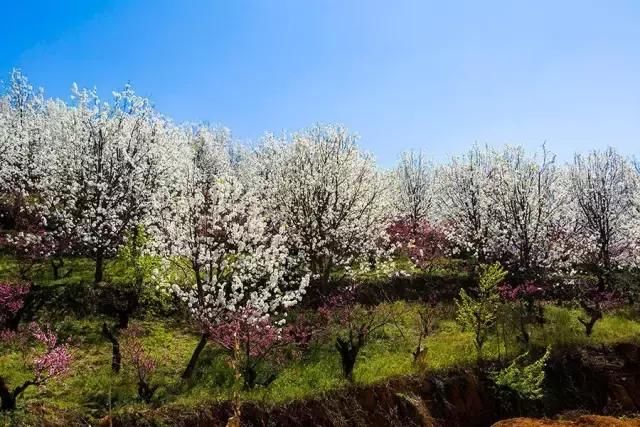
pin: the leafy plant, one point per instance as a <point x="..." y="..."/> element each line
<point x="478" y="314"/>
<point x="525" y="380"/>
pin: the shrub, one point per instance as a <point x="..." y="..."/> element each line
<point x="479" y="313"/>
<point x="525" y="380"/>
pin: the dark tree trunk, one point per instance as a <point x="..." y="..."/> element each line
<point x="13" y="322"/>
<point x="116" y="357"/>
<point x="56" y="265"/>
<point x="250" y="375"/>
<point x="594" y="313"/>
<point x="99" y="275"/>
<point x="123" y="319"/>
<point x="602" y="282"/>
<point x="8" y="400"/>
<point x="348" y="355"/>
<point x="145" y="391"/>
<point x="188" y="372"/>
<point x="524" y="334"/>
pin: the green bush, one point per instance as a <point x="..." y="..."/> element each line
<point x="525" y="380"/>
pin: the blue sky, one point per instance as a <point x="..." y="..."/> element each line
<point x="432" y="75"/>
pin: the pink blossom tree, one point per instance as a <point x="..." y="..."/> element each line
<point x="142" y="363"/>
<point x="356" y="322"/>
<point x="420" y="241"/>
<point x="48" y="360"/>
<point x="528" y="296"/>
<point x="250" y="338"/>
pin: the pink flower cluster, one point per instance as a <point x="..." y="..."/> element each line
<point x="256" y="335"/>
<point x="421" y="242"/>
<point x="301" y="332"/>
<point x="527" y="290"/>
<point x="12" y="297"/>
<point x="133" y="348"/>
<point x="337" y="306"/>
<point x="56" y="359"/>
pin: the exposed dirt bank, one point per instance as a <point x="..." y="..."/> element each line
<point x="602" y="381"/>
<point x="584" y="421"/>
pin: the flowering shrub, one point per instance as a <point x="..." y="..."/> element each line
<point x="51" y="362"/>
<point x="250" y="338"/>
<point x="421" y="242"/>
<point x="528" y="296"/>
<point x="56" y="358"/>
<point x="143" y="364"/>
<point x="356" y="323"/>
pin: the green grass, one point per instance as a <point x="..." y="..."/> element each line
<point x="81" y="271"/>
<point x="91" y="386"/>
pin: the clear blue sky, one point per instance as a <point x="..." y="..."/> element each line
<point x="435" y="75"/>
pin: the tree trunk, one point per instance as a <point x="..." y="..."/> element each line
<point x="594" y="313"/>
<point x="588" y="325"/>
<point x="145" y="391"/>
<point x="99" y="275"/>
<point x="348" y="356"/>
<point x="250" y="375"/>
<point x="56" y="269"/>
<point x="7" y="399"/>
<point x="602" y="283"/>
<point x="524" y="334"/>
<point x="123" y="319"/>
<point x="116" y="357"/>
<point x="418" y="353"/>
<point x="188" y="372"/>
<point x="56" y="265"/>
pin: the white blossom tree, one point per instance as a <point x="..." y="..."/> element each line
<point x="463" y="205"/>
<point x="603" y="187"/>
<point x="526" y="197"/>
<point x="24" y="151"/>
<point x="329" y="195"/>
<point x="113" y="159"/>
<point x="215" y="232"/>
<point x="26" y="164"/>
<point x="414" y="192"/>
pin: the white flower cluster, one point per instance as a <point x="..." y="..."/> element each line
<point x="213" y="226"/>
<point x="330" y="196"/>
<point x="535" y="215"/>
<point x="247" y="228"/>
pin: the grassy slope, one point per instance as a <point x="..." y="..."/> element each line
<point x="91" y="386"/>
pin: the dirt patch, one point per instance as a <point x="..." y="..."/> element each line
<point x="598" y="381"/>
<point x="584" y="421"/>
